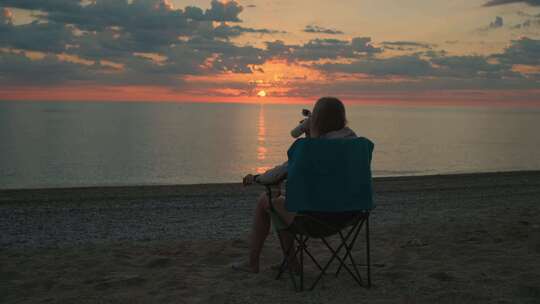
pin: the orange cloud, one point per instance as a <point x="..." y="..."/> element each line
<point x="275" y="77"/>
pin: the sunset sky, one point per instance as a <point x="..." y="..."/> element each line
<point x="461" y="51"/>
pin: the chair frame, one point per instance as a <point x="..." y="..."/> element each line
<point x="302" y="236"/>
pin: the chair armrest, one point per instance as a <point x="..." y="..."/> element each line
<point x="279" y="181"/>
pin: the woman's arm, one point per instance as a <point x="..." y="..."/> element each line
<point x="274" y="175"/>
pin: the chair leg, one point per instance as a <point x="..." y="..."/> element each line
<point x="368" y="250"/>
<point x="351" y="235"/>
<point x="335" y="254"/>
<point x="368" y="261"/>
<point x="356" y="229"/>
<point x="348" y="253"/>
<point x="323" y="270"/>
<point x="285" y="262"/>
<point x="302" y="248"/>
<point x="313" y="259"/>
<point x="285" y="255"/>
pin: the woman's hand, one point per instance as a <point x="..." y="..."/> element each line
<point x="248" y="180"/>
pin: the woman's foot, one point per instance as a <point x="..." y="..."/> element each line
<point x="245" y="266"/>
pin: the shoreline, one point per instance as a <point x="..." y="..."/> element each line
<point x="15" y="193"/>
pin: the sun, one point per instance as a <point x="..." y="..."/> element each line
<point x="262" y="93"/>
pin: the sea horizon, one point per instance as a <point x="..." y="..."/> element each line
<point x="96" y="144"/>
<point x="257" y="101"/>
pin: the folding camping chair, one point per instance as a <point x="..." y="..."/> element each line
<point x="308" y="223"/>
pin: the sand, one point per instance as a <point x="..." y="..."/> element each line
<point x="435" y="239"/>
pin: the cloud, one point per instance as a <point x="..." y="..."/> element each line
<point x="279" y="49"/>
<point x="524" y="14"/>
<point x="317" y="49"/>
<point x="411" y="65"/>
<point x="46" y="6"/>
<point x="333" y="48"/>
<point x="115" y="30"/>
<point x="431" y="89"/>
<point x="430" y="70"/>
<point x="524" y="51"/>
<point x="525" y="24"/>
<point x="139" y="17"/>
<point x="531" y="21"/>
<point x="226" y="31"/>
<point x="493" y="25"/>
<point x="323" y="49"/>
<point x="470" y="66"/>
<point x="149" y="42"/>
<point x="227" y="56"/>
<point x="497" y="23"/>
<point x="503" y="2"/>
<point x="405" y="45"/>
<point x="35" y="36"/>
<point x="224" y="11"/>
<point x="363" y="45"/>
<point x="103" y="12"/>
<point x="315" y="29"/>
<point x="145" y="15"/>
<point x="429" y="64"/>
<point x="18" y="69"/>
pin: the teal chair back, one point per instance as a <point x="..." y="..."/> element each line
<point x="329" y="175"/>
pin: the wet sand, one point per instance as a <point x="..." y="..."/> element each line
<point x="435" y="239"/>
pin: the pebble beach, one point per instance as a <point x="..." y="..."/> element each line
<point x="468" y="238"/>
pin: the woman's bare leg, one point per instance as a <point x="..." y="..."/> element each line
<point x="261" y="228"/>
<point x="259" y="232"/>
<point x="287" y="239"/>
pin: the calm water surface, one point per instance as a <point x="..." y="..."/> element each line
<point x="86" y="144"/>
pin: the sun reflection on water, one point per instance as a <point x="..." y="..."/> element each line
<point x="261" y="142"/>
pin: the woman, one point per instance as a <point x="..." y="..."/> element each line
<point x="327" y="121"/>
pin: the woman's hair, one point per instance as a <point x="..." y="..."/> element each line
<point x="328" y="115"/>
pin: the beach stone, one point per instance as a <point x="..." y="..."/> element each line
<point x="415" y="243"/>
<point x="119" y="281"/>
<point x="159" y="263"/>
<point x="442" y="276"/>
<point x="530" y="291"/>
<point x="534" y="239"/>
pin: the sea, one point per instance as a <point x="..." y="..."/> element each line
<point x="80" y="144"/>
